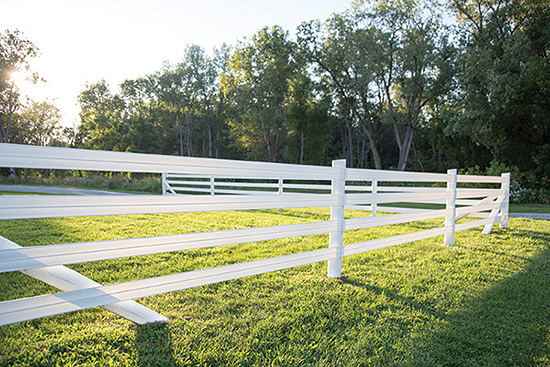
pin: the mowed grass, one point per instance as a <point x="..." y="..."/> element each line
<point x="529" y="208"/>
<point x="484" y="302"/>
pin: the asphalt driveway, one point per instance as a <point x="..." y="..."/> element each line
<point x="56" y="190"/>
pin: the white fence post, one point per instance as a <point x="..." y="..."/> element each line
<point x="506" y="204"/>
<point x="280" y="191"/>
<point x="212" y="185"/>
<point x="336" y="239"/>
<point x="164" y="183"/>
<point x="451" y="204"/>
<point x="374" y="206"/>
<point x="501" y="211"/>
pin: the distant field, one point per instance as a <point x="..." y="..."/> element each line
<point x="485" y="302"/>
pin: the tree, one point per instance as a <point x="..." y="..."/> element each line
<point x="101" y="116"/>
<point x="504" y="100"/>
<point x="201" y="75"/>
<point x="413" y="62"/>
<point x="257" y="86"/>
<point x="178" y="109"/>
<point x="38" y="123"/>
<point x="309" y="122"/>
<point x="385" y="62"/>
<point x="15" y="52"/>
<point x="188" y="93"/>
<point x="332" y="48"/>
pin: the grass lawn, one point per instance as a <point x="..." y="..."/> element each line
<point x="485" y="302"/>
<point x="529" y="208"/>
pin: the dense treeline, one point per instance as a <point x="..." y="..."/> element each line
<point x="391" y="84"/>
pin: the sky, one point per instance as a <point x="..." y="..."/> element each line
<point x="83" y="41"/>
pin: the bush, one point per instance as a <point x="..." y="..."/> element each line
<point x="522" y="195"/>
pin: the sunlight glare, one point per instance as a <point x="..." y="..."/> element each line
<point x="19" y="78"/>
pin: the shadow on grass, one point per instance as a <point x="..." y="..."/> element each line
<point x="507" y="325"/>
<point x="154" y="345"/>
<point x="405" y="301"/>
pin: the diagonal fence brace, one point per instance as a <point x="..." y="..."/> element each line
<point x="66" y="279"/>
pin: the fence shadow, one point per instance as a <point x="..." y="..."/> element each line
<point x="405" y="301"/>
<point x="154" y="345"/>
<point x="507" y="325"/>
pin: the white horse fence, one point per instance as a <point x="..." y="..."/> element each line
<point x="413" y="196"/>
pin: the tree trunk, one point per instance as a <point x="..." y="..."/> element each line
<point x="373" y="137"/>
<point x="209" y="139"/>
<point x="12" y="107"/>
<point x="301" y="148"/>
<point x="405" y="148"/>
<point x="350" y="142"/>
<point x="217" y="143"/>
<point x="180" y="138"/>
<point x="189" y="130"/>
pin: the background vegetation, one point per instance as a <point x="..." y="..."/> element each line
<point x="393" y="84"/>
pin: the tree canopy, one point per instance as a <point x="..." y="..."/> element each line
<point x="15" y="52"/>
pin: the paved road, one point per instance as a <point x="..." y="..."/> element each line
<point x="56" y="190"/>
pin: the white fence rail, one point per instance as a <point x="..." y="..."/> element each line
<point x="265" y="185"/>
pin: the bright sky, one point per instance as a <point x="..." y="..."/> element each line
<point x="84" y="41"/>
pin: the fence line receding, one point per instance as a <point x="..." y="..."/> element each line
<point x="202" y="184"/>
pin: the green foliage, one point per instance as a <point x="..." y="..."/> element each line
<point x="519" y="194"/>
<point x="504" y="76"/>
<point x="385" y="84"/>
<point x="309" y="122"/>
<point x="257" y="83"/>
<point x="102" y="125"/>
<point x="15" y="54"/>
<point x="178" y="110"/>
<point x="38" y="123"/>
<point x="495" y="168"/>
<point x="384" y="62"/>
<point x="483" y="302"/>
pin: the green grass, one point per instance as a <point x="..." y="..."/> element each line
<point x="529" y="208"/>
<point x="485" y="302"/>
<point x="10" y="193"/>
<point x="148" y="184"/>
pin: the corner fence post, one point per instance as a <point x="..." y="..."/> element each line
<point x="451" y="204"/>
<point x="506" y="202"/>
<point x="336" y="239"/>
<point x="163" y="183"/>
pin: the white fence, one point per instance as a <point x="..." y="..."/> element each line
<point x="267" y="185"/>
